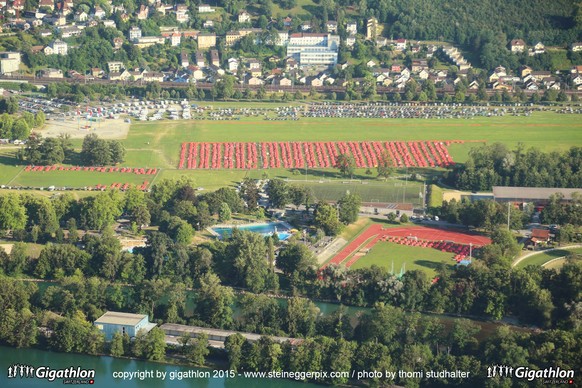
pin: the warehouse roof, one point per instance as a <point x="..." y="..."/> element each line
<point x="117" y="318"/>
<point x="532" y="193"/>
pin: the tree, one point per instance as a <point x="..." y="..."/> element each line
<point x="248" y="253"/>
<point x="296" y="258"/>
<point x="327" y="218"/>
<point x="12" y="213"/>
<point x="95" y="151"/>
<point x="213" y="302"/>
<point x="198" y="349"/>
<point x="301" y="316"/>
<point x="224" y="213"/>
<point x="151" y="345"/>
<point x="102" y="210"/>
<point x="116" y="347"/>
<point x="233" y="346"/>
<point x="346" y="164"/>
<point x="250" y="193"/>
<point x="278" y="192"/>
<point x="349" y="208"/>
<point x="386" y="165"/>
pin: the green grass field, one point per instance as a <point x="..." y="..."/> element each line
<point x="544" y="257"/>
<point x="384" y="254"/>
<point x="157" y="144"/>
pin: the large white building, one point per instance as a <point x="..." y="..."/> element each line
<point x="314" y="49"/>
<point x="9" y="62"/>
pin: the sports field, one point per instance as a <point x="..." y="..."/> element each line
<point x="157" y="144"/>
<point x="401" y="257"/>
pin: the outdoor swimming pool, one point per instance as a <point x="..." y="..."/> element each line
<point x="281" y="228"/>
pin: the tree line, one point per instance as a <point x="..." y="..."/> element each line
<point x="57" y="150"/>
<point x="495" y="165"/>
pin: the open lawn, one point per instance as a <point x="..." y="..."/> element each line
<point x="77" y="178"/>
<point x="384" y="254"/>
<point x="157" y="144"/>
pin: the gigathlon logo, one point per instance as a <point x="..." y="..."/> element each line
<point x="551" y="375"/>
<point x="70" y="375"/>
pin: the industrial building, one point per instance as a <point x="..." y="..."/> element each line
<point x="113" y="322"/>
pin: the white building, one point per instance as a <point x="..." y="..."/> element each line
<point x="314" y="49"/>
<point x="134" y="33"/>
<point x="352" y="28"/>
<point x="9" y="62"/>
<point x="59" y="47"/>
<point x="205" y="8"/>
<point x="244" y="17"/>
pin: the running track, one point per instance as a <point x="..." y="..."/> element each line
<point x="421" y="232"/>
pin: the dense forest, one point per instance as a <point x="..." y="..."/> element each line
<point x="495" y="165"/>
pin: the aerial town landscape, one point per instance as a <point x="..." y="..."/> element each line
<point x="285" y="193"/>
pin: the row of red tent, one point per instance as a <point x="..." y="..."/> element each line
<point x="461" y="250"/>
<point x="133" y="170"/>
<point x="122" y="186"/>
<point x="367" y="154"/>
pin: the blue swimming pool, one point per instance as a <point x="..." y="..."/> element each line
<point x="281" y="228"/>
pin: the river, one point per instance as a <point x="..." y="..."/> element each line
<point x="106" y="366"/>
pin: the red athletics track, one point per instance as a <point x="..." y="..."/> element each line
<point x="421" y="232"/>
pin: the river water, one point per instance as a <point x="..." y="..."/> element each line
<point x="106" y="366"/>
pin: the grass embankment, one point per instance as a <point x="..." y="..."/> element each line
<point x="543" y="257"/>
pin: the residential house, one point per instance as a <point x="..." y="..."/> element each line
<point x="175" y="39"/>
<point x="474" y="85"/>
<point x="45" y="33"/>
<point x="46" y="4"/>
<point x="577" y="46"/>
<point x="119" y="76"/>
<point x="283" y="38"/>
<point x="314" y="81"/>
<point x="287" y="22"/>
<point x="539" y="48"/>
<point x="205" y="8"/>
<point x="57" y="47"/>
<point x="9" y="62"/>
<point x="115" y="67"/>
<point x="576" y="69"/>
<point x="395" y="69"/>
<point x="98" y="12"/>
<point x="200" y="59"/>
<point x="134" y="33"/>
<point x="352" y="28"/>
<point x="401" y="44"/>
<point x="147" y="41"/>
<point x="540" y="75"/>
<point x="244" y="17"/>
<point x="153" y="77"/>
<point x="161" y="8"/>
<point x="291" y="64"/>
<point x="208" y="24"/>
<point x="184" y="59"/>
<point x="282" y="81"/>
<point x="142" y="13"/>
<point x="381" y="41"/>
<point x="117" y="43"/>
<point x="577" y="79"/>
<point x="97" y="72"/>
<point x="253" y="64"/>
<point x="69" y="31"/>
<point x="540" y="236"/>
<point x="524" y="70"/>
<point x="206" y="40"/>
<point x="51" y="73"/>
<point x="331" y="26"/>
<point x="517" y="46"/>
<point x="233" y="64"/>
<point x="182" y="13"/>
<point x="255" y="81"/>
<point x="305" y="26"/>
<point x="351" y="40"/>
<point x="109" y="23"/>
<point x="231" y="38"/>
<point x="198" y="74"/>
<point x="214" y="58"/>
<point x="415" y="49"/>
<point x="418" y="65"/>
<point x="423" y="74"/>
<point x="372" y="28"/>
